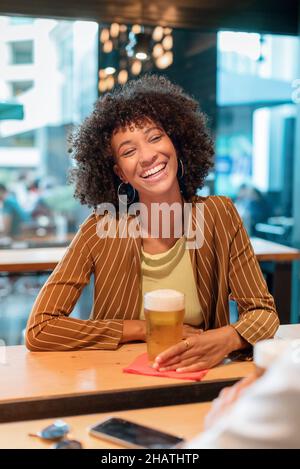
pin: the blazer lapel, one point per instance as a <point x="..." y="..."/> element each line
<point x="198" y="269"/>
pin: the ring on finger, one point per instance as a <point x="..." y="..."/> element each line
<point x="186" y="343"/>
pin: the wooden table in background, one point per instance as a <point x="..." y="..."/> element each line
<point x="276" y="263"/>
<point x="49" y="384"/>
<point x="38" y="259"/>
<point x="269" y="251"/>
<point x="30" y="260"/>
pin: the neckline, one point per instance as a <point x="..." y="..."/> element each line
<point x="166" y="260"/>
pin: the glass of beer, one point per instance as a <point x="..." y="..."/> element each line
<point x="164" y="314"/>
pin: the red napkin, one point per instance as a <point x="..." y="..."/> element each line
<point x="140" y="366"/>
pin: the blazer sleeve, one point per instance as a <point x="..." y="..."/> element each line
<point x="258" y="318"/>
<point x="49" y="326"/>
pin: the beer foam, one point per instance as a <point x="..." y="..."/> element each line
<point x="164" y="300"/>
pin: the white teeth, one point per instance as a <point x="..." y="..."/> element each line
<point x="153" y="170"/>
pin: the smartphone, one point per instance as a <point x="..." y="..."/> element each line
<point x="133" y="435"/>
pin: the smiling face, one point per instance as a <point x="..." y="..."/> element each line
<point x="146" y="158"/>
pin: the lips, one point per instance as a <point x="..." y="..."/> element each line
<point x="154" y="172"/>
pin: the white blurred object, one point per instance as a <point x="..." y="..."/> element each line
<point x="288" y="331"/>
<point x="1" y="216"/>
<point x="5" y="287"/>
<point x="267" y="351"/>
<point x="267" y="413"/>
<point x="61" y="225"/>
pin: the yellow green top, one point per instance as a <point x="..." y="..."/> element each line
<point x="172" y="269"/>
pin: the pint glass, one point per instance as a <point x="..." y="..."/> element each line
<point x="164" y="314"/>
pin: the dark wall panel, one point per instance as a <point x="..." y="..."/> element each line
<point x="271" y="16"/>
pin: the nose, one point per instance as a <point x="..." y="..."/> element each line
<point x="148" y="155"/>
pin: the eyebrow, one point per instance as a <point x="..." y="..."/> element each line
<point x="126" y="142"/>
<point x="152" y="128"/>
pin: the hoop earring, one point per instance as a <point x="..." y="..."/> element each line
<point x="182" y="169"/>
<point x="120" y="195"/>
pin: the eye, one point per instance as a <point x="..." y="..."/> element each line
<point x="155" y="138"/>
<point x="128" y="152"/>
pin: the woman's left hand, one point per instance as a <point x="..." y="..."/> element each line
<point x="199" y="352"/>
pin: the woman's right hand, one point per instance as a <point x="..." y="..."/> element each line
<point x="133" y="329"/>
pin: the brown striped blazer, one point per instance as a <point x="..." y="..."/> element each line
<point x="225" y="267"/>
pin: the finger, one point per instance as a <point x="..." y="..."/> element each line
<point x="231" y="395"/>
<point x="246" y="382"/>
<point x="219" y="405"/>
<point x="178" y="364"/>
<point x="223" y="393"/>
<point x="170" y="353"/>
<point x="235" y="390"/>
<point x="168" y="363"/>
<point x="188" y="354"/>
<point x="214" y="413"/>
<point x="160" y="362"/>
<point x="196" y="367"/>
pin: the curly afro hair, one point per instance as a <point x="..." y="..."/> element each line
<point x="154" y="98"/>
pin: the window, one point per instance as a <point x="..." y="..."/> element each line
<point x="21" y="52"/>
<point x="256" y="129"/>
<point x="18" y="20"/>
<point x="34" y="158"/>
<point x="20" y="87"/>
<point x="24" y="139"/>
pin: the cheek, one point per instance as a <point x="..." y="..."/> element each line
<point x="128" y="167"/>
<point x="173" y="156"/>
<point x="172" y="150"/>
<point x="167" y="148"/>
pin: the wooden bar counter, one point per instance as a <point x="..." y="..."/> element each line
<point x="185" y="421"/>
<point x="48" y="384"/>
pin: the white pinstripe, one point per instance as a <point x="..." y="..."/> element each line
<point x="107" y="275"/>
<point x="250" y="290"/>
<point x="225" y="308"/>
<point x="125" y="286"/>
<point x="257" y="316"/>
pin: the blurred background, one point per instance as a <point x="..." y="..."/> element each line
<point x="53" y="70"/>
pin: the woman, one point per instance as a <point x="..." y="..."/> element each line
<point x="149" y="140"/>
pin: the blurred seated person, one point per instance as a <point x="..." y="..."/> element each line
<point x="20" y="190"/>
<point x="12" y="215"/>
<point x="257" y="412"/>
<point x="252" y="206"/>
<point x="33" y="195"/>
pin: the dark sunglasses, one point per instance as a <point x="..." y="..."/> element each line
<point x="57" y="431"/>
